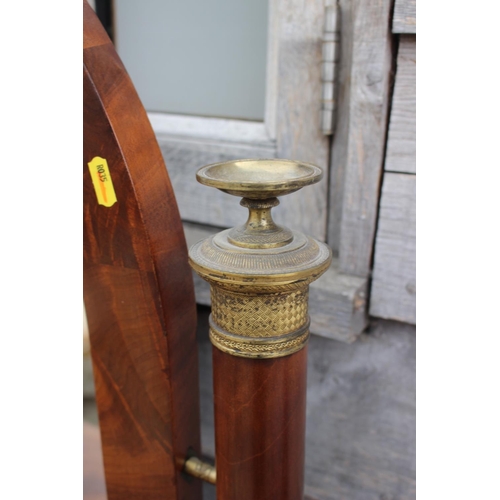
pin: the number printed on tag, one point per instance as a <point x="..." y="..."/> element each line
<point x="101" y="178"/>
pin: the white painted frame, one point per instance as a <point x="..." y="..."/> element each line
<point x="211" y="129"/>
<point x="229" y="129"/>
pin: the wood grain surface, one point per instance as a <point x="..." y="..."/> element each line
<point x="394" y="289"/>
<point x="260" y="410"/>
<point x="359" y="141"/>
<point x="401" y="140"/>
<point x="405" y="16"/>
<point x="295" y="93"/>
<point x="138" y="292"/>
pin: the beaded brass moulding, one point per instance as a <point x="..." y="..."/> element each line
<point x="259" y="272"/>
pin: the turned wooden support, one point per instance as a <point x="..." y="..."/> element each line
<point x="260" y="426"/>
<point x="259" y="275"/>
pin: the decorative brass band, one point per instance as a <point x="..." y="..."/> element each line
<point x="259" y="315"/>
<point x="218" y="261"/>
<point x="258" y="347"/>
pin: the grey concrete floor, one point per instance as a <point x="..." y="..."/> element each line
<point x="360" y="437"/>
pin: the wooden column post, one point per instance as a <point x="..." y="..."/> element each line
<point x="259" y="275"/>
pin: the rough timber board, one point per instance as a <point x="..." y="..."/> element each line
<point x="337" y="302"/>
<point x="405" y="16"/>
<point x="393" y="292"/>
<point x="360" y="431"/>
<point x="359" y="141"/>
<point x="337" y="305"/>
<point x="298" y="27"/>
<point x="401" y="141"/>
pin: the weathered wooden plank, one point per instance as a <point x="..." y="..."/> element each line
<point x="405" y="16"/>
<point x="337" y="305"/>
<point x="393" y="293"/>
<point x="337" y="302"/>
<point x="401" y="141"/>
<point x="298" y="26"/>
<point x="358" y="144"/>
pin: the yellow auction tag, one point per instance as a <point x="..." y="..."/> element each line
<point x="101" y="178"/>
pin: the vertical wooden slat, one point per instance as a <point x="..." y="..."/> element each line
<point x="298" y="26"/>
<point x="401" y="141"/>
<point x="359" y="142"/>
<point x="393" y="293"/>
<point x="405" y="16"/>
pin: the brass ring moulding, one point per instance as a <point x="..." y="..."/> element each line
<point x="259" y="273"/>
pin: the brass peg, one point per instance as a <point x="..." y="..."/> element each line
<point x="200" y="469"/>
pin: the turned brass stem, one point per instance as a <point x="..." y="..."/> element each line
<point x="259" y="215"/>
<point x="260" y="230"/>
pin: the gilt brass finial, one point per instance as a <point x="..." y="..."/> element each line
<point x="259" y="272"/>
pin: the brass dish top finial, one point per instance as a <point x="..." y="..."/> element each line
<point x="259" y="179"/>
<point x="259" y="182"/>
